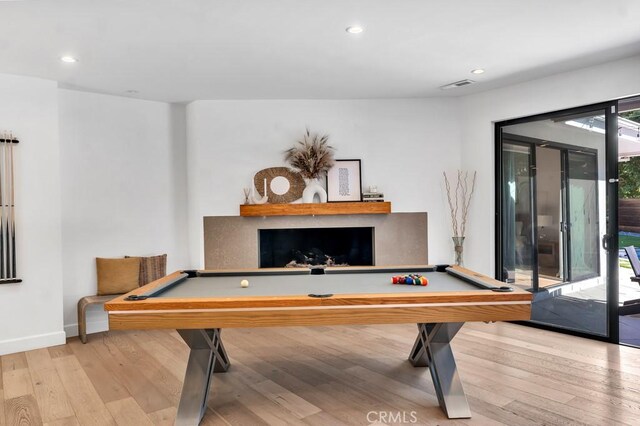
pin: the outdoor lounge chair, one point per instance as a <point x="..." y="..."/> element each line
<point x="632" y="307"/>
<point x="635" y="263"/>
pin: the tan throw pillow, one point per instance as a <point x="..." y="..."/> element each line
<point x="151" y="268"/>
<point x="117" y="276"/>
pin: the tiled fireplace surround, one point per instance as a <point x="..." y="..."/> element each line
<point x="232" y="241"/>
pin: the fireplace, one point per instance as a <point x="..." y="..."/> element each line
<point x="348" y="246"/>
<point x="233" y="242"/>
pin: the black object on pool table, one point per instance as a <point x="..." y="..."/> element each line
<point x="316" y="271"/>
<point x="137" y="297"/>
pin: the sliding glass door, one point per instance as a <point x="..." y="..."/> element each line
<point x="552" y="216"/>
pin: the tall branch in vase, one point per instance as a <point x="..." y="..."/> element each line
<point x="459" y="203"/>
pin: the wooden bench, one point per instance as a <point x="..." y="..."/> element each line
<point x="83" y="304"/>
<point x="151" y="269"/>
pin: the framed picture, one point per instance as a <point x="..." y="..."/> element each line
<point x="344" y="181"/>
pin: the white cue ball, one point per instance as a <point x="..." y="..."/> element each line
<point x="244" y="283"/>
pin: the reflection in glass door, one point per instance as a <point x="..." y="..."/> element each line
<point x="582" y="189"/>
<point x="552" y="219"/>
<point x="550" y="202"/>
<point x="517" y="231"/>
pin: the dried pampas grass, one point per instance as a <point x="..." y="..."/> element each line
<point x="312" y="156"/>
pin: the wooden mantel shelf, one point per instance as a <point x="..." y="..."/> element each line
<point x="253" y="210"/>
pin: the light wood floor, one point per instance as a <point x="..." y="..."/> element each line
<point x="513" y="375"/>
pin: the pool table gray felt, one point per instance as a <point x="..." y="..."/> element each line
<point x="296" y="284"/>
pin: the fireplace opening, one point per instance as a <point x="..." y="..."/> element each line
<point x="305" y="247"/>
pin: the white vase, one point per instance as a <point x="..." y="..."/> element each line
<point x="258" y="200"/>
<point x="312" y="189"/>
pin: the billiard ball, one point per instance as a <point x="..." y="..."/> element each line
<point x="244" y="283"/>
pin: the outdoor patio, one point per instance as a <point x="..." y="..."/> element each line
<point x="596" y="291"/>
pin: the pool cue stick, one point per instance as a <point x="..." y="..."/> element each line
<point x="2" y="201"/>
<point x="9" y="144"/>
<point x="7" y="159"/>
<point x="7" y="207"/>
<point x="12" y="231"/>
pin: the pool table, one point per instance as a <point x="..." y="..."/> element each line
<point x="200" y="303"/>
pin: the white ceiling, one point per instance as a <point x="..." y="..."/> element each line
<point x="176" y="51"/>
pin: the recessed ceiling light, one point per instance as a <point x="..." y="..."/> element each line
<point x="477" y="71"/>
<point x="68" y="59"/>
<point x="354" y="29"/>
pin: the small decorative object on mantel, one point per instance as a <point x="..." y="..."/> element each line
<point x="283" y="184"/>
<point x="344" y="181"/>
<point x="312" y="157"/>
<point x="373" y="195"/>
<point x="8" y="272"/>
<point x="263" y="199"/>
<point x="459" y="208"/>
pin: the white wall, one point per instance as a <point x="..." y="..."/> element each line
<point x="479" y="112"/>
<point x="123" y="189"/>
<point x="31" y="312"/>
<point x="404" y="145"/>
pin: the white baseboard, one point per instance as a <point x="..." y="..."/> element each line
<point x="32" y="342"/>
<point x="71" y="330"/>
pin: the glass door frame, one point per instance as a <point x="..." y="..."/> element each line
<point x="610" y="239"/>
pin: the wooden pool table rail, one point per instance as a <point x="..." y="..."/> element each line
<point x="302" y="310"/>
<point x="315" y="316"/>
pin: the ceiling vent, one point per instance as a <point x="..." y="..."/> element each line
<point x="460" y="83"/>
